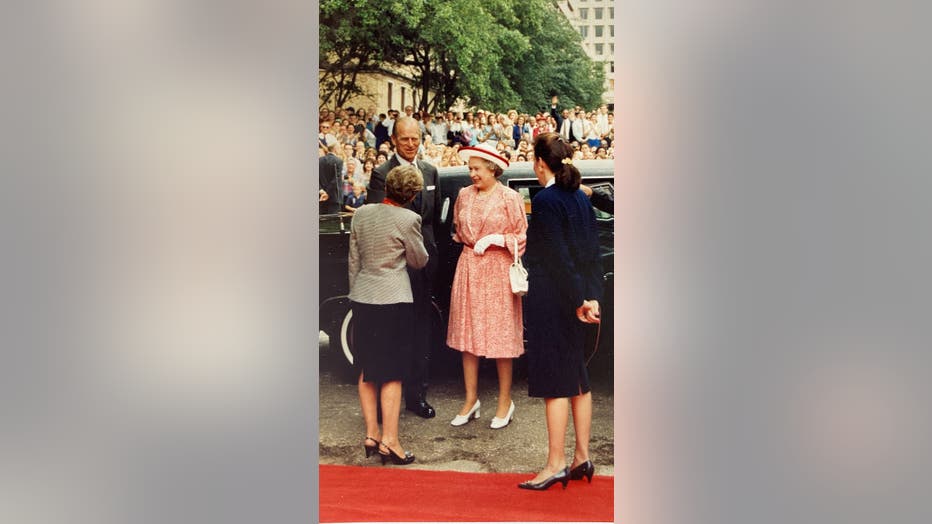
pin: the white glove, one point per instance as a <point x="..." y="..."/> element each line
<point x="488" y="240"/>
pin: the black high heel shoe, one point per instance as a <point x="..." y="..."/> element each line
<point x="397" y="460"/>
<point x="371" y="450"/>
<point x="586" y="469"/>
<point x="562" y="477"/>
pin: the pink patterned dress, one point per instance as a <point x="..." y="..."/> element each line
<point x="485" y="316"/>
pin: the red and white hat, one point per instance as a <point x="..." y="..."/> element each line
<point x="485" y="152"/>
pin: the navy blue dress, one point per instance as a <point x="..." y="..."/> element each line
<point x="563" y="270"/>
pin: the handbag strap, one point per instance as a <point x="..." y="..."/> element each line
<point x="516" y="250"/>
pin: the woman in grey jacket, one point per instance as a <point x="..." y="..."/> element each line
<point x="385" y="238"/>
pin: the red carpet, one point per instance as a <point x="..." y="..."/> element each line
<point x="396" y="494"/>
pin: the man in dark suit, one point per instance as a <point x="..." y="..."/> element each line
<point x="406" y="137"/>
<point x="330" y="167"/>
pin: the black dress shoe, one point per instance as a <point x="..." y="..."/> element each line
<point x="584" y="470"/>
<point x="422" y="409"/>
<point x="562" y="476"/>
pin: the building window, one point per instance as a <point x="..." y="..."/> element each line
<point x="584" y="31"/>
<point x="611" y="66"/>
<point x="611" y="30"/>
<point x="389" y="95"/>
<point x="611" y="49"/>
<point x="583" y="13"/>
<point x="598" y="13"/>
<point x="402" y="97"/>
<point x="599" y="49"/>
<point x="598" y="31"/>
<point x="611" y="13"/>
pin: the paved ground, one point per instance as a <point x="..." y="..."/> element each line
<point x="519" y="447"/>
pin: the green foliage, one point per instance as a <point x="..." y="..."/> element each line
<point x="497" y="54"/>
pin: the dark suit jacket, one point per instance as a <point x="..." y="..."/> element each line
<point x="563" y="246"/>
<point x="427" y="203"/>
<point x="330" y="174"/>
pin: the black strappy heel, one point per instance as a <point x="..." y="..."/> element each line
<point x="371" y="450"/>
<point x="395" y="458"/>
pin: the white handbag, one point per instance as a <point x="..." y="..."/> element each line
<point x="518" y="275"/>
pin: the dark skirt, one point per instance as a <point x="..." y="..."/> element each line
<point x="555" y="346"/>
<point x="382" y="337"/>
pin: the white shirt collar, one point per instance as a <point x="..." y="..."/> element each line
<point x="551" y="182"/>
<point x="404" y="162"/>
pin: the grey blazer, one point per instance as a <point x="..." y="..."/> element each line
<point x="427" y="203"/>
<point x="384" y="240"/>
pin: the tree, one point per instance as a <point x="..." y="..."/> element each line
<point x="498" y="54"/>
<point x="347" y="47"/>
<point x="556" y="63"/>
<point x="451" y="45"/>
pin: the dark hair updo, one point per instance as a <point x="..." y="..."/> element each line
<point x="558" y="155"/>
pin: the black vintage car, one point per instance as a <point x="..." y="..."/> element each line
<point x="335" y="313"/>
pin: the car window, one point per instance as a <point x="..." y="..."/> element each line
<point x="528" y="187"/>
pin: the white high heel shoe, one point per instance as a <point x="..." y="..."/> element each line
<point x="459" y="420"/>
<point x="499" y="423"/>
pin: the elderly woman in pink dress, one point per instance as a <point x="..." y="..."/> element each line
<point x="485" y="316"/>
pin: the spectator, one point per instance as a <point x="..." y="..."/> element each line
<point x="517" y="130"/>
<point x="326" y="138"/>
<point x="349" y="135"/>
<point x="438" y="130"/>
<point x="349" y="157"/>
<point x="424" y="125"/>
<point x="366" y="173"/>
<point x="355" y="126"/>
<point x="577" y="127"/>
<point x="381" y="131"/>
<point x="368" y="138"/>
<point x="469" y="129"/>
<point x="349" y="178"/>
<point x="593" y="138"/>
<point x="455" y="134"/>
<point x="483" y="128"/>
<point x="497" y="133"/>
<point x="356" y="198"/>
<point x="434" y="154"/>
<point x="610" y="136"/>
<point x="542" y="127"/>
<point x="561" y="119"/>
<point x="390" y="121"/>
<point x="602" y="120"/>
<point x="329" y="168"/>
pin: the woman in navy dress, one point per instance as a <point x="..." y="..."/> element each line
<point x="565" y="284"/>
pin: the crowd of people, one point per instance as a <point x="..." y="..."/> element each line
<point x="360" y="138"/>
<point x="392" y="262"/>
